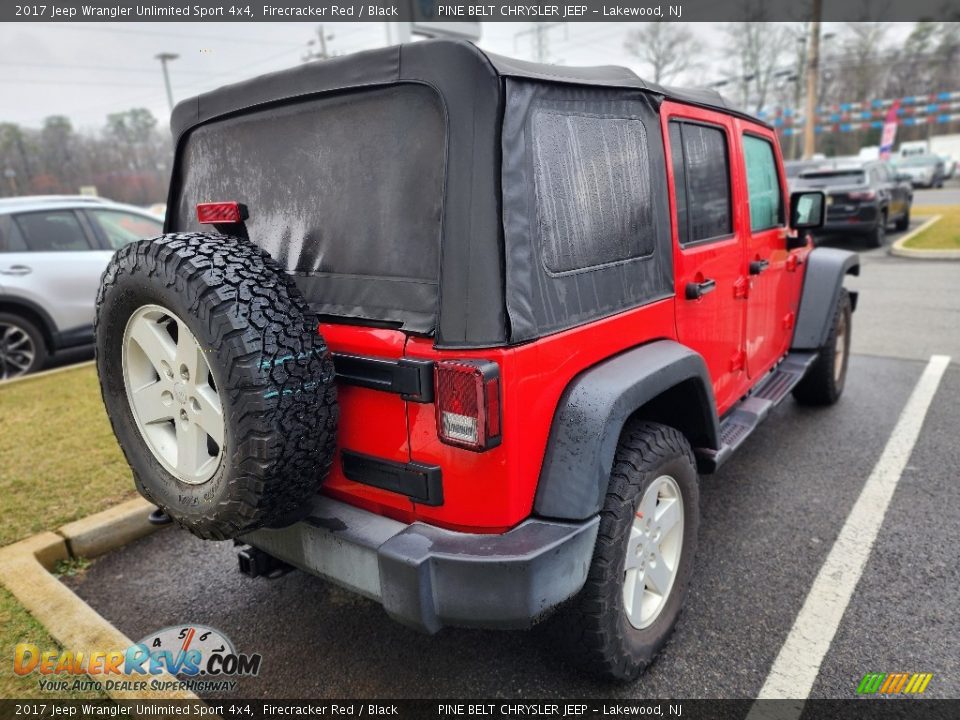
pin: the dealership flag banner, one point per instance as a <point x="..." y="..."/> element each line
<point x="889" y="131"/>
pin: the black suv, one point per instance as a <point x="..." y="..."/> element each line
<point x="862" y="197"/>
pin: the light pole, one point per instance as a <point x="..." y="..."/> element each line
<point x="164" y="58"/>
<point x="813" y="77"/>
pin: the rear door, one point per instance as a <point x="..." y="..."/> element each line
<point x="373" y="414"/>
<point x="771" y="311"/>
<point x="708" y="250"/>
<point x="57" y="267"/>
<point x="896" y="196"/>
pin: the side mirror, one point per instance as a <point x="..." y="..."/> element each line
<point x="807" y="209"/>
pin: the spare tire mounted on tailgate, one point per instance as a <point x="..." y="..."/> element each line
<point x="219" y="388"/>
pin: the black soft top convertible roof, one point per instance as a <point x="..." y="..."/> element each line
<point x="484" y="286"/>
<point x="412" y="62"/>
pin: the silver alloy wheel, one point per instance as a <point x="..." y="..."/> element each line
<point x="17" y="351"/>
<point x="653" y="552"/>
<point x="841" y="348"/>
<point x="172" y="394"/>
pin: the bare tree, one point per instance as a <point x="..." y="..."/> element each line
<point x="668" y="49"/>
<point x="861" y="75"/>
<point x="758" y="47"/>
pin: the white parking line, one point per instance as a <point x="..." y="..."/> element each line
<point x="798" y="663"/>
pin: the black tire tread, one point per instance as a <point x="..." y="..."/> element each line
<point x="589" y="628"/>
<point x="819" y="386"/>
<point x="279" y="375"/>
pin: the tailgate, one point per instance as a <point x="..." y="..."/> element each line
<point x="373" y="417"/>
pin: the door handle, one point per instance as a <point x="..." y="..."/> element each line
<point x="16" y="270"/>
<point x="695" y="291"/>
<point x="758" y="266"/>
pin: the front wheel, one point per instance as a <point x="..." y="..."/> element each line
<point x="904" y="222"/>
<point x="825" y="380"/>
<point x="643" y="557"/>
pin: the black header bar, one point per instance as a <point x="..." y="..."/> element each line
<point x="475" y="11"/>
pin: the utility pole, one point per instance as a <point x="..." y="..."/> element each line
<point x="540" y="33"/>
<point x="813" y="78"/>
<point x="320" y="53"/>
<point x="164" y="58"/>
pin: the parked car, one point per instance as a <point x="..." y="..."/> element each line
<point x="462" y="338"/>
<point x="794" y="168"/>
<point x="924" y="171"/>
<point x="949" y="167"/>
<point x="863" y="198"/>
<point x="53" y="250"/>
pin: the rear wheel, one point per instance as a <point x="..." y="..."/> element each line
<point x="878" y="236"/>
<point x="824" y="382"/>
<point x="22" y="348"/>
<point x="643" y="557"/>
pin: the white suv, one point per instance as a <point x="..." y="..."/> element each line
<point x="53" y="250"/>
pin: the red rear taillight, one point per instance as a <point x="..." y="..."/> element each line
<point x="467" y="396"/>
<point x="217" y="213"/>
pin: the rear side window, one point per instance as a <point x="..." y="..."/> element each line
<point x="121" y="228"/>
<point x="763" y="183"/>
<point x="52" y="231"/>
<point x="703" y="187"/>
<point x="592" y="182"/>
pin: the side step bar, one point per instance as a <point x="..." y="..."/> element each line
<point x="737" y="425"/>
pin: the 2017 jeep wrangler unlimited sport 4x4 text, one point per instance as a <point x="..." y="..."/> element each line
<point x="465" y="330"/>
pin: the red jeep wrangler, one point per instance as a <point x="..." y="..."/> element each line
<point x="465" y="330"/>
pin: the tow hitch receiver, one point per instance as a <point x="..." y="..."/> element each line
<point x="256" y="563"/>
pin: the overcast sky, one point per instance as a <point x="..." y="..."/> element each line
<point x="87" y="70"/>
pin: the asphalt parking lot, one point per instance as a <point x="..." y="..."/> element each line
<point x="770" y="520"/>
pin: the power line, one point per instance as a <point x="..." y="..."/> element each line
<point x="8" y="81"/>
<point x="109" y="68"/>
<point x="194" y="36"/>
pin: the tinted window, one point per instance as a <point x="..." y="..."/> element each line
<point x="763" y="183"/>
<point x="679" y="179"/>
<point x="121" y="228"/>
<point x="705" y="191"/>
<point x="52" y="231"/>
<point x="592" y="182"/>
<point x="10" y="238"/>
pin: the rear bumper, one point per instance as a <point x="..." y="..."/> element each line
<point x="855" y="227"/>
<point x="858" y="219"/>
<point x="427" y="577"/>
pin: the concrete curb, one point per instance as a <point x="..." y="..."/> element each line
<point x="45" y="373"/>
<point x="25" y="571"/>
<point x="899" y="250"/>
<point x="101" y="533"/>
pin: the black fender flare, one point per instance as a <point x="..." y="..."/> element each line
<point x="823" y="280"/>
<point x="591" y="415"/>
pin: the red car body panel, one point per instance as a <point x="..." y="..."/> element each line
<point x="741" y="329"/>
